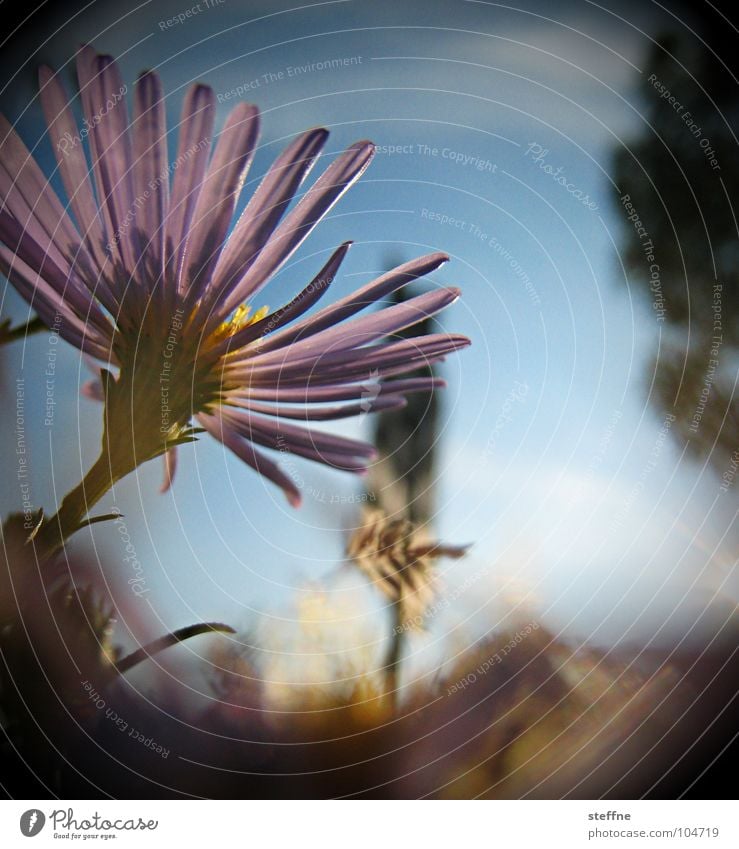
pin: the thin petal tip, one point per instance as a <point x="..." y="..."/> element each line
<point x="103" y="61"/>
<point x="45" y="73"/>
<point x="246" y="111"/>
<point x="85" y="50"/>
<point x="201" y="91"/>
<point x="364" y="146"/>
<point x="147" y="76"/>
<point x="455" y="294"/>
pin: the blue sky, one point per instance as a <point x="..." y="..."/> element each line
<point x="577" y="507"/>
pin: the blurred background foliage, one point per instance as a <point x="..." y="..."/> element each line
<point x="682" y="176"/>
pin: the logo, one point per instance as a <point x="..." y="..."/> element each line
<point x="370" y="393"/>
<point x="32" y="822"/>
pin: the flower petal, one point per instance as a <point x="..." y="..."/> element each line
<point x="150" y="166"/>
<point x="296" y="307"/>
<point x="69" y="151"/>
<point x="245" y="451"/>
<point x="356" y="301"/>
<point x="361" y="331"/>
<point x="93" y="389"/>
<point x="264" y="211"/>
<point x="49" y="304"/>
<point x="27" y="195"/>
<point x="21" y="244"/>
<point x="170" y="468"/>
<point x="29" y="198"/>
<point x="217" y="199"/>
<point x="348" y="366"/>
<point x="343" y="392"/>
<point x="195" y="133"/>
<point x="371" y="404"/>
<point x="328" y="448"/>
<point x="103" y="100"/>
<point x="316" y="202"/>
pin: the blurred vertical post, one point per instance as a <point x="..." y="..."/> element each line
<point x="402" y="481"/>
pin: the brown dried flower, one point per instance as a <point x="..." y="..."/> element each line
<point x="399" y="560"/>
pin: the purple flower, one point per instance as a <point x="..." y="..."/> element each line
<point x="140" y="273"/>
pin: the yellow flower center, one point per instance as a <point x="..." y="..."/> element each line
<point x="239" y="320"/>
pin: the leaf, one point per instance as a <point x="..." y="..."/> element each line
<point x="95" y="519"/>
<point x="169" y="640"/>
<point x="11" y="334"/>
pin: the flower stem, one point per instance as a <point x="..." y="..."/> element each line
<point x="392" y="664"/>
<point x="75" y="506"/>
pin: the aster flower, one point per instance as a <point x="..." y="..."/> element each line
<point x="140" y="273"/>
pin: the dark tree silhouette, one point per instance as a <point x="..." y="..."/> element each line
<point x="677" y="187"/>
